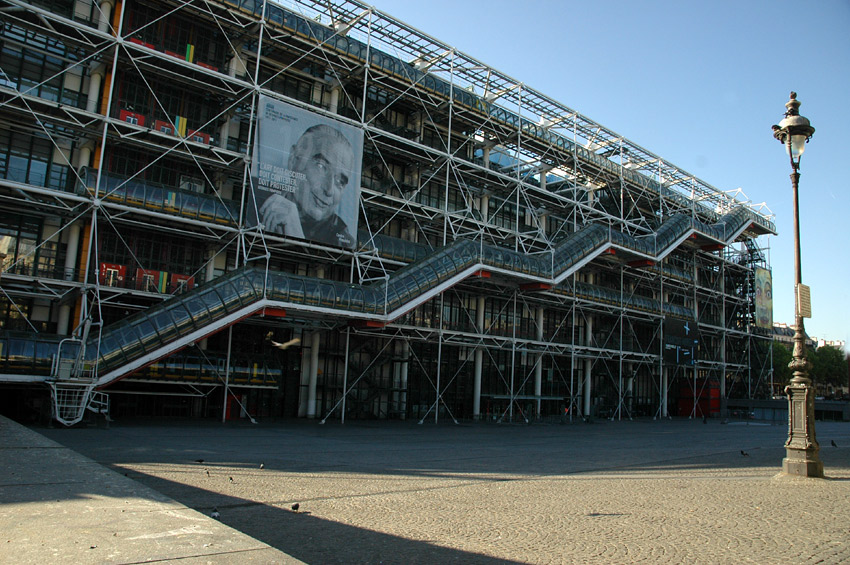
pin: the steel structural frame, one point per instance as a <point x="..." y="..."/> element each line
<point x="590" y="192"/>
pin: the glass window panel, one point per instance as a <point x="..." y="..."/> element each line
<point x="147" y="334"/>
<point x="228" y="294"/>
<point x="213" y="303"/>
<point x="198" y="310"/>
<point x="110" y="351"/>
<point x="164" y="325"/>
<point x="182" y="318"/>
<point x="191" y="206"/>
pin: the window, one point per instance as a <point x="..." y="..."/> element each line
<point x="18" y="241"/>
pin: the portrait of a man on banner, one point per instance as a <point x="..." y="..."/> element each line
<point x="305" y="175"/>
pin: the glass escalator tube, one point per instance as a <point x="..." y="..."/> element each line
<point x="111" y="354"/>
<point x="229" y="297"/>
<point x="165" y="326"/>
<point x="467" y="253"/>
<point x="226" y="212"/>
<point x="352" y="299"/>
<point x="249" y="284"/>
<point x="278" y="286"/>
<point x="45" y="351"/>
<point x="20" y="355"/>
<point x="148" y="336"/>
<point x="128" y="336"/>
<point x="493" y="256"/>
<point x="197" y="308"/>
<point x="374" y="298"/>
<point x="190" y="207"/>
<point x="154" y="198"/>
<point x="443" y="266"/>
<point x="425" y="277"/>
<point x="182" y="317"/>
<point x="327" y="294"/>
<point x="342" y="297"/>
<point x="214" y="301"/>
<point x="404" y="284"/>
<point x="297" y="291"/>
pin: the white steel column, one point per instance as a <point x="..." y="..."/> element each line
<point x="588" y="339"/>
<point x="315" y="338"/>
<point x="313" y="375"/>
<point x="71" y="247"/>
<point x="95" y="80"/>
<point x="333" y="105"/>
<point x="722" y="378"/>
<point x="227" y="375"/>
<point x="83" y="156"/>
<point x="479" y="361"/>
<point x="724" y="336"/>
<point x="405" y="364"/>
<point x="105" y="15"/>
<point x="538" y="367"/>
<point x="665" y="375"/>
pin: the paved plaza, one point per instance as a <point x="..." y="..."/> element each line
<point x="397" y="492"/>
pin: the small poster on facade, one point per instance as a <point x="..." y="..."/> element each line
<point x="305" y="175"/>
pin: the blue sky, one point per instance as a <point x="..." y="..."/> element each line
<point x="699" y="84"/>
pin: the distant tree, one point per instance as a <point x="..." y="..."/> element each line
<point x="829" y="367"/>
<point x="781" y="358"/>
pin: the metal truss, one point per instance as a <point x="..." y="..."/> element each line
<point x="507" y="166"/>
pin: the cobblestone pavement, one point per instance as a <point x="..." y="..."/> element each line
<point x="610" y="492"/>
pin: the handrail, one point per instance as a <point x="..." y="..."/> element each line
<point x="386" y="299"/>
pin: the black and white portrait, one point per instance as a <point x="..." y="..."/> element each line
<point x="305" y="175"/>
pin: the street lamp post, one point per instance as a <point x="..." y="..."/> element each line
<point x="801" y="450"/>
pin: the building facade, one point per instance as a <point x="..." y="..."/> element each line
<point x="311" y="209"/>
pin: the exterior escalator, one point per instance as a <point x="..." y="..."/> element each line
<point x="161" y="330"/>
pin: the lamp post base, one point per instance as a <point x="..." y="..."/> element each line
<point x="802" y="452"/>
<point x="807" y="466"/>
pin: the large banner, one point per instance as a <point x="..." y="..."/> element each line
<point x="764" y="299"/>
<point x="305" y="175"/>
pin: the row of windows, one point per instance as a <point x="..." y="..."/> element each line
<point x="460" y="314"/>
<point x="167" y="172"/>
<point x="153" y="100"/>
<point x="176" y="35"/>
<point x="20" y="237"/>
<point x="40" y="66"/>
<point x="30" y="159"/>
<point x="18" y="316"/>
<point x="145" y="250"/>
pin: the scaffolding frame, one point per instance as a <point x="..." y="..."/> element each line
<point x="513" y="168"/>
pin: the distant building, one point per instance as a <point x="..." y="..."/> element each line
<point x="784" y="334"/>
<point x="836" y="343"/>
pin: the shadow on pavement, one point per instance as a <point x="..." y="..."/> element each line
<point x="312" y="539"/>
